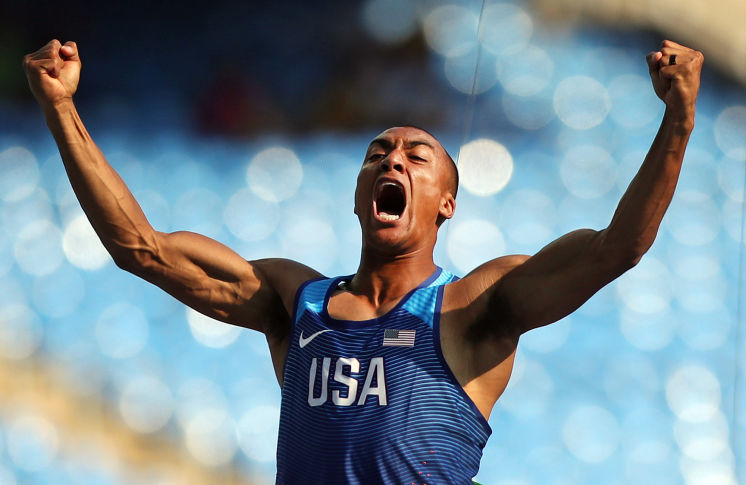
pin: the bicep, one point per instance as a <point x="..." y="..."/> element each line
<point x="216" y="281"/>
<point x="557" y="280"/>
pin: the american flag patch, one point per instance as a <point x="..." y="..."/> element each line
<point x="398" y="338"/>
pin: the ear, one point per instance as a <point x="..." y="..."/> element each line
<point x="447" y="206"/>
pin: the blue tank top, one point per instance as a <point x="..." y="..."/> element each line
<point x="374" y="402"/>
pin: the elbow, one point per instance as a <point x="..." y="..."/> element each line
<point x="136" y="260"/>
<point x="128" y="260"/>
<point x="618" y="261"/>
<point x="627" y="257"/>
<point x="632" y="259"/>
<point x="623" y="256"/>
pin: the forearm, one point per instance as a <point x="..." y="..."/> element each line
<point x="112" y="210"/>
<point x="639" y="213"/>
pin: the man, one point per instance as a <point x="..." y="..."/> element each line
<point x="388" y="375"/>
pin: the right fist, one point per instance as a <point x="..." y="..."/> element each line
<point x="53" y="72"/>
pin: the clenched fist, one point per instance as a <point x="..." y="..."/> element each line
<point x="53" y="72"/>
<point x="676" y="83"/>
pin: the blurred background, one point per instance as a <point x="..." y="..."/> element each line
<point x="248" y="123"/>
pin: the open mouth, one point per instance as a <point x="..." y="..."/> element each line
<point x="390" y="201"/>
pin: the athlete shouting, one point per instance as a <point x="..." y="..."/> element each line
<point x="388" y="375"/>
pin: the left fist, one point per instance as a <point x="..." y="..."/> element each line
<point x="676" y="84"/>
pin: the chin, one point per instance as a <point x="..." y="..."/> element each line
<point x="388" y="240"/>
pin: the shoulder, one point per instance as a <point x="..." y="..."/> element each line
<point x="467" y="290"/>
<point x="284" y="277"/>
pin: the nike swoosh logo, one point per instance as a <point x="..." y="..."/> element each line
<point x="302" y="342"/>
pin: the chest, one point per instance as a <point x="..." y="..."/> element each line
<point x="346" y="306"/>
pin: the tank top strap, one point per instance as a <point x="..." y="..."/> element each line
<point x="424" y="303"/>
<point x="311" y="295"/>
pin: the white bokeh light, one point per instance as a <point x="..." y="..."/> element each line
<point x="311" y="240"/>
<point x="693" y="218"/>
<point x="704" y="440"/>
<point x="250" y="217"/>
<point x="146" y="404"/>
<point x="485" y="166"/>
<point x="581" y="102"/>
<point x="38" y="248"/>
<point x="505" y="27"/>
<point x="32" y="442"/>
<point x="466" y="76"/>
<point x="275" y="174"/>
<point x="257" y="433"/>
<point x="591" y="433"/>
<point x="82" y="246"/>
<point x="526" y="71"/>
<point x="19" y="173"/>
<point x="647" y="288"/>
<point x="709" y="472"/>
<point x="451" y="30"/>
<point x="471" y="243"/>
<point x="196" y="394"/>
<point x="122" y="330"/>
<point x="588" y="171"/>
<point x="210" y="332"/>
<point x="730" y="132"/>
<point x="693" y="393"/>
<point x="210" y="437"/>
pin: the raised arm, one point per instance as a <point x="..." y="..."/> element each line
<point x="197" y="270"/>
<point x="527" y="292"/>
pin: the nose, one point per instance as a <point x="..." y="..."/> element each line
<point x="393" y="162"/>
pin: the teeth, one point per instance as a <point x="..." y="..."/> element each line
<point x="388" y="217"/>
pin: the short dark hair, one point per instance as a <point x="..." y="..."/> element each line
<point x="452" y="168"/>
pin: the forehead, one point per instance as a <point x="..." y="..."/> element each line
<point x="407" y="134"/>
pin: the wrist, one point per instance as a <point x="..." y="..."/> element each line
<point x="680" y="121"/>
<point x="57" y="107"/>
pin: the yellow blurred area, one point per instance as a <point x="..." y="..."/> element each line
<point x="87" y="431"/>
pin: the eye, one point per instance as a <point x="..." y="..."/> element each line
<point x="417" y="158"/>
<point x="375" y="156"/>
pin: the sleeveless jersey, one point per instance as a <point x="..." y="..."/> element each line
<point x="374" y="402"/>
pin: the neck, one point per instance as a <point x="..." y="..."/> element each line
<point x="384" y="278"/>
